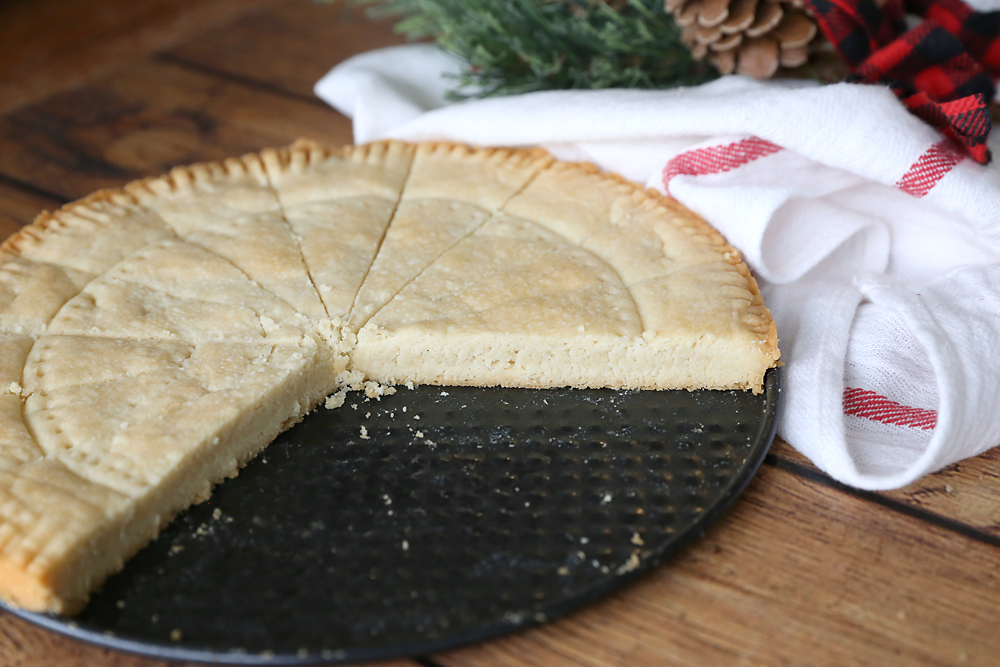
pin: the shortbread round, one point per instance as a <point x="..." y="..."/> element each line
<point x="156" y="337"/>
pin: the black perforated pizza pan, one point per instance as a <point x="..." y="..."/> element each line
<point x="430" y="519"/>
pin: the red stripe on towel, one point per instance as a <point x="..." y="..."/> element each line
<point x="717" y="159"/>
<point x="870" y="405"/>
<point x="930" y="168"/>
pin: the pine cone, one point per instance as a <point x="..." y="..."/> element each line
<point x="752" y="37"/>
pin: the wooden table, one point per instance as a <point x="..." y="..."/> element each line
<point x="802" y="571"/>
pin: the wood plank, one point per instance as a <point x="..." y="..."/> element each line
<point x="289" y="46"/>
<point x="798" y="573"/>
<point x="144" y="120"/>
<point x="24" y="645"/>
<point x="967" y="492"/>
<point x="50" y="45"/>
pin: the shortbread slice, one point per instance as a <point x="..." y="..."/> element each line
<point x="122" y="494"/>
<point x="338" y="204"/>
<point x="157" y="381"/>
<point x="450" y="192"/>
<point x="230" y="208"/>
<point x="129" y="432"/>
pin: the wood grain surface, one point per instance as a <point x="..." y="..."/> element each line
<point x="802" y="571"/>
<point x="50" y="45"/>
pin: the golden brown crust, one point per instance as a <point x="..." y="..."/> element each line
<point x="459" y="151"/>
<point x="86" y="237"/>
<point x="190" y="178"/>
<point x="305" y="154"/>
<point x="47" y="223"/>
<point x="758" y="316"/>
<point x="486" y="177"/>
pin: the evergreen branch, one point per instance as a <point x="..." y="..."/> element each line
<point x="519" y="46"/>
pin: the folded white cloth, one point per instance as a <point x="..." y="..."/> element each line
<point x="875" y="241"/>
<point x="984" y="5"/>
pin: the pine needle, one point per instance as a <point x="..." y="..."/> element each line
<point x="519" y="46"/>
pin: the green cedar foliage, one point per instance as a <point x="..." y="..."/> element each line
<point x="518" y="46"/>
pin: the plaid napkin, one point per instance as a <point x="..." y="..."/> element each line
<point x="942" y="69"/>
<point x="876" y="240"/>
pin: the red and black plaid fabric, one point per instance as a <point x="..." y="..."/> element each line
<point x="943" y="69"/>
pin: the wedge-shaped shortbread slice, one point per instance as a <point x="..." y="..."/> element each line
<point x="338" y="204"/>
<point x="158" y="380"/>
<point x="230" y="208"/>
<point x="622" y="289"/>
<point x="450" y="192"/>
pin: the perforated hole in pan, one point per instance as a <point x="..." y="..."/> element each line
<point x="432" y="518"/>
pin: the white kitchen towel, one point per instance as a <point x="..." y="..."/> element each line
<point x="876" y="242"/>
